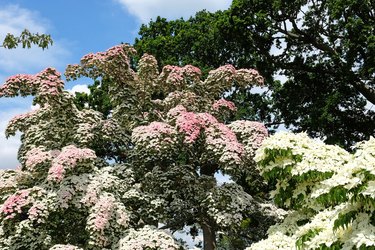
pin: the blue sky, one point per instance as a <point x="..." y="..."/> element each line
<point x="77" y="28"/>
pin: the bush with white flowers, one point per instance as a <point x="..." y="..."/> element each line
<point x="329" y="192"/>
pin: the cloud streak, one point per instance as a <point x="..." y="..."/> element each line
<point x="145" y="10"/>
<point x="9" y="147"/>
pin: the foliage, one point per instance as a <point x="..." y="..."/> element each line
<point x="152" y="160"/>
<point x="97" y="99"/>
<point x="329" y="192"/>
<point x="26" y="39"/>
<point x="325" y="49"/>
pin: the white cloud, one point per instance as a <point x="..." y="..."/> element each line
<point x="145" y="10"/>
<point x="35" y="107"/>
<point x="80" y="88"/>
<point x="9" y="147"/>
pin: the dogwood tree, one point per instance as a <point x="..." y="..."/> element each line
<point x="92" y="182"/>
<point x="330" y="193"/>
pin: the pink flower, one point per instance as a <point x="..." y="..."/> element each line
<point x="174" y="112"/>
<point x="189" y="124"/>
<point x="222" y="103"/>
<point x="223" y="143"/>
<point x="153" y="130"/>
<point x="56" y="172"/>
<point x="207" y="119"/>
<point x="250" y="132"/>
<point x="248" y="77"/>
<point x="37" y="156"/>
<point x="47" y="82"/>
<point x="191" y="72"/>
<point x="104" y="208"/>
<point x="14" y="204"/>
<point x="68" y="159"/>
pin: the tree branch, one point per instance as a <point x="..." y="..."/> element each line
<point x="365" y="90"/>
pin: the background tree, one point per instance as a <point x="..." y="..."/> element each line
<point x="97" y="99"/>
<point x="325" y="48"/>
<point x="26" y="39"/>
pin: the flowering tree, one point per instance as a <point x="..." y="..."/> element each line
<point x="330" y="192"/>
<point x="88" y="182"/>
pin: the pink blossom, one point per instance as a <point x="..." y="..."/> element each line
<point x="222" y="103"/>
<point x="103" y="214"/>
<point x="207" y="119"/>
<point x="36" y="211"/>
<point x="20" y="84"/>
<point x="153" y="130"/>
<point x="248" y="77"/>
<point x="19" y="121"/>
<point x="68" y="159"/>
<point x="223" y="143"/>
<point x="174" y="112"/>
<point x="173" y="75"/>
<point x="226" y="69"/>
<point x="191" y="72"/>
<point x="14" y="204"/>
<point x="252" y="133"/>
<point x="189" y="124"/>
<point x="47" y="82"/>
<point x="56" y="172"/>
<point x="114" y="62"/>
<point x="35" y="157"/>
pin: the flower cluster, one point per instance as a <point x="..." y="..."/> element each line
<point x="114" y="62"/>
<point x="14" y="204"/>
<point x="301" y="159"/>
<point x="335" y="187"/>
<point x="174" y="78"/>
<point x="250" y="134"/>
<point x="249" y="76"/>
<point x="222" y="103"/>
<point x="227" y="204"/>
<point x="225" y="77"/>
<point x="37" y="157"/>
<point x="148" y="237"/>
<point x="106" y="213"/>
<point x="220" y="142"/>
<point x="155" y="139"/>
<point x="148" y="71"/>
<point x="46" y="83"/>
<point x="69" y="158"/>
<point x="8" y="181"/>
<point x="184" y="98"/>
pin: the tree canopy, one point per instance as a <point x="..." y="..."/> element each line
<point x="324" y="48"/>
<point x="116" y="179"/>
<point x="129" y="179"/>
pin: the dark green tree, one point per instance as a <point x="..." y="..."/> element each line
<point x="97" y="99"/>
<point x="325" y="48"/>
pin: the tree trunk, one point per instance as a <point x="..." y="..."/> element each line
<point x="209" y="240"/>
